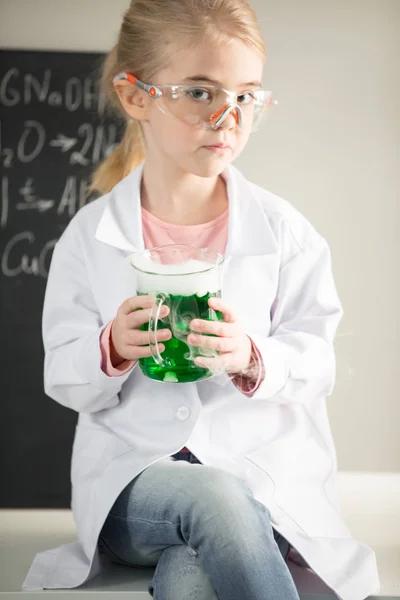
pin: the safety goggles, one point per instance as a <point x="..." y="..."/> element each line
<point x="206" y="106"/>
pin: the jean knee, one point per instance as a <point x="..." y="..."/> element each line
<point x="220" y="489"/>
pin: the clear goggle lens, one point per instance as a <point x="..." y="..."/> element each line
<point x="206" y="107"/>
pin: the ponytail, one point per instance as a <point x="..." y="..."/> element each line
<point x="126" y="157"/>
<point x="131" y="150"/>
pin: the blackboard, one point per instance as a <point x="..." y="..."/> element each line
<point x="54" y="130"/>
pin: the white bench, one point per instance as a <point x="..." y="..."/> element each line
<point x="370" y="504"/>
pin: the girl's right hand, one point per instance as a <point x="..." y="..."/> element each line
<point x="126" y="341"/>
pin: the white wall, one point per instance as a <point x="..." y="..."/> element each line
<point x="331" y="148"/>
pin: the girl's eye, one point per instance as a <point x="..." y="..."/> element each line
<point x="245" y="98"/>
<point x="199" y="94"/>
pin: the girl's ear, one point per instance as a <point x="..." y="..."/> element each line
<point x="134" y="100"/>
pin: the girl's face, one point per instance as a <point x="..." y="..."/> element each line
<point x="173" y="142"/>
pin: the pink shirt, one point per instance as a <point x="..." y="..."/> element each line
<point x="213" y="235"/>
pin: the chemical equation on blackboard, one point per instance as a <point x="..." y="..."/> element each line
<point x="52" y="135"/>
<point x="16" y="259"/>
<point x="73" y="197"/>
<point x="25" y="88"/>
<point x="95" y="142"/>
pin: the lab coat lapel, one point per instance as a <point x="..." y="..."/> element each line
<point x="121" y="222"/>
<point x="251" y="256"/>
<point x="249" y="231"/>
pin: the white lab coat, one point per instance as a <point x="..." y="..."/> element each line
<point x="278" y="277"/>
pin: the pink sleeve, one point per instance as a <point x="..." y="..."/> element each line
<point x="106" y="364"/>
<point x="249" y="385"/>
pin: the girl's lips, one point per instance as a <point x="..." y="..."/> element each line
<point x="220" y="148"/>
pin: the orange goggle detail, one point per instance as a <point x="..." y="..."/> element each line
<point x="150" y="89"/>
<point x="131" y="78"/>
<point x="219" y="116"/>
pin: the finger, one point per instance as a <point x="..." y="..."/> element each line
<point x="141" y="338"/>
<point x="140" y="317"/>
<point x="219" y="328"/>
<point x="135" y="302"/>
<point x="222" y="344"/>
<point x="227" y="311"/>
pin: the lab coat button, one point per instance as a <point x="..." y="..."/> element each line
<point x="183" y="413"/>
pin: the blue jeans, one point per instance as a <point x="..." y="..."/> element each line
<point x="202" y="529"/>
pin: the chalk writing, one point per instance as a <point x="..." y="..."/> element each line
<point x="53" y="132"/>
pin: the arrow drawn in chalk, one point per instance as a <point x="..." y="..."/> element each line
<point x="64" y="142"/>
<point x="41" y="205"/>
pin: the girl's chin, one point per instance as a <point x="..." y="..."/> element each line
<point x="208" y="168"/>
<point x="210" y="171"/>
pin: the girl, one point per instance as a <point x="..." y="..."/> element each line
<point x="218" y="484"/>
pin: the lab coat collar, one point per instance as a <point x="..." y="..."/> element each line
<point x="249" y="231"/>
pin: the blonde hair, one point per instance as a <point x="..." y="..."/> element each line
<point x="147" y="32"/>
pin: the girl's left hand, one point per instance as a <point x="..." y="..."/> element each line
<point x="232" y="343"/>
